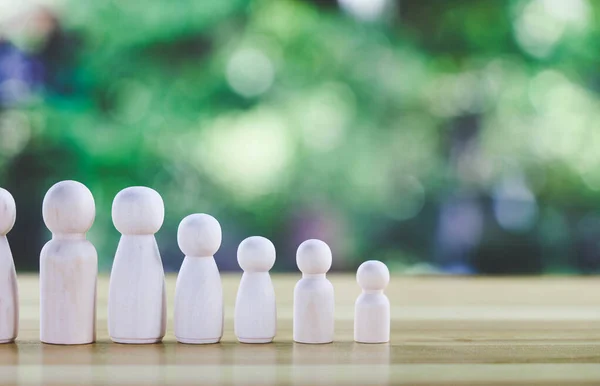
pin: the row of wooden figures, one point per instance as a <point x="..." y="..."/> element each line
<point x="137" y="299"/>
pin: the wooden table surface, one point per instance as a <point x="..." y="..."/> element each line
<point x="445" y="331"/>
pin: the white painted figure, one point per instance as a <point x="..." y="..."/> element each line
<point x="137" y="307"/>
<point x="199" y="294"/>
<point x="9" y="295"/>
<point x="313" y="295"/>
<point x="255" y="318"/>
<point x="68" y="266"/>
<point x="372" y="308"/>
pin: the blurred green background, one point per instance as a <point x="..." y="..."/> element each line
<point x="455" y="136"/>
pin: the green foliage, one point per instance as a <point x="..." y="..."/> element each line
<point x="354" y="116"/>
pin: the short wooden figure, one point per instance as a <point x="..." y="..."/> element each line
<point x="313" y="295"/>
<point x="372" y="308"/>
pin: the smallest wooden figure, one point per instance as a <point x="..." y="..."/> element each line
<point x="9" y="298"/>
<point x="372" y="308"/>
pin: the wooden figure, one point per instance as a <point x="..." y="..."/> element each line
<point x="255" y="318"/>
<point x="313" y="295"/>
<point x="9" y="296"/>
<point x="137" y="306"/>
<point x="198" y="314"/>
<point x="372" y="308"/>
<point x="68" y="267"/>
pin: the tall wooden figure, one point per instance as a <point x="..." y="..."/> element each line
<point x="9" y="296"/>
<point x="198" y="314"/>
<point x="137" y="306"/>
<point x="313" y="295"/>
<point x="68" y="267"/>
<point x="255" y="310"/>
<point x="372" y="308"/>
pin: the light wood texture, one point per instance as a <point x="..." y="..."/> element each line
<point x="9" y="292"/>
<point x="68" y="266"/>
<point x="199" y="302"/>
<point x="445" y="331"/>
<point x="255" y="318"/>
<point x="198" y="316"/>
<point x="137" y="306"/>
<point x="372" y="307"/>
<point x="314" y="296"/>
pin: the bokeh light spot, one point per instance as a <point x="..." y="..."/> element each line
<point x="248" y="154"/>
<point x="406" y="200"/>
<point x="515" y="206"/>
<point x="15" y="133"/>
<point x="365" y="10"/>
<point x="541" y="24"/>
<point x="250" y="72"/>
<point x="326" y="115"/>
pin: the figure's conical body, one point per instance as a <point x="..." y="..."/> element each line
<point x="198" y="315"/>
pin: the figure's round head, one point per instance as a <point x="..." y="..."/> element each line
<point x="199" y="235"/>
<point x="138" y="210"/>
<point x="373" y="275"/>
<point x="313" y="257"/>
<point x="69" y="207"/>
<point x="256" y="254"/>
<point x="8" y="212"/>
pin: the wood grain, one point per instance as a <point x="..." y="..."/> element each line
<point x="445" y="331"/>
